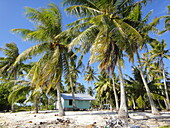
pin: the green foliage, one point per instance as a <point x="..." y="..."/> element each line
<point x="89" y="74"/>
<point x="4" y="92"/>
<point x="51" y="107"/>
<point x="167" y="21"/>
<point x="23" y="108"/>
<point x="107" y="30"/>
<point x="19" y="93"/>
<point x="94" y="104"/>
<point x="47" y="24"/>
<point x="164" y="127"/>
<point x="90" y="91"/>
<point x="157" y="96"/>
<point x="80" y="88"/>
<point x="140" y="102"/>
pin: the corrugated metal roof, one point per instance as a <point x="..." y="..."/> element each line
<point x="77" y="96"/>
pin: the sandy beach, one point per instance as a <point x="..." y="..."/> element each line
<point x="79" y="119"/>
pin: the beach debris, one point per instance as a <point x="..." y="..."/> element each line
<point x="63" y="121"/>
<point x="91" y="126"/>
<point x="42" y="123"/>
<point x="115" y="123"/>
<point x="29" y="121"/>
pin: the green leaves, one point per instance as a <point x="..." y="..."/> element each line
<point x="135" y="13"/>
<point x="82" y="11"/>
<point x="158" y="50"/>
<point x="108" y="30"/>
<point x="140" y="102"/>
<point x="90" y="74"/>
<point x="19" y="92"/>
<point x="167" y="21"/>
<point x="32" y="51"/>
<point x="4" y="92"/>
<point x="7" y="68"/>
<point x="47" y="24"/>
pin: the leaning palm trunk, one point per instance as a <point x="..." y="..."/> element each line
<point x="101" y="105"/>
<point x="165" y="101"/>
<point x="115" y="94"/>
<point x="36" y="104"/>
<point x="72" y="91"/>
<point x="166" y="92"/>
<point x="153" y="107"/>
<point x="134" y="104"/>
<point x="123" y="111"/>
<point x="15" y="77"/>
<point x="111" y="102"/>
<point x="59" y="104"/>
<point x="12" y="107"/>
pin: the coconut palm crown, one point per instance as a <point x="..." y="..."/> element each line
<point x="104" y="28"/>
<point x="53" y="61"/>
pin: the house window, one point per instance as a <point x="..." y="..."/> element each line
<point x="70" y="102"/>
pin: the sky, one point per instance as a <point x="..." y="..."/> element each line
<point x="12" y="16"/>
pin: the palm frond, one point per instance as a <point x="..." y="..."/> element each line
<point x="82" y="11"/>
<point x="18" y="93"/>
<point x="32" y="51"/>
<point x="84" y="37"/>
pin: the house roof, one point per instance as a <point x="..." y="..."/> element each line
<point x="77" y="96"/>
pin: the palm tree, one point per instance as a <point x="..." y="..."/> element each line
<point x="54" y="54"/>
<point x="106" y="33"/>
<point x="90" y="91"/>
<point x="115" y="81"/>
<point x="7" y="70"/>
<point x="72" y="76"/>
<point x="136" y="91"/>
<point x="159" y="52"/>
<point x="5" y="105"/>
<point x="20" y="90"/>
<point x="153" y="107"/>
<point x="104" y="88"/>
<point x="167" y="20"/>
<point x="80" y="88"/>
<point x="154" y="73"/>
<point x="90" y="74"/>
<point x="144" y="29"/>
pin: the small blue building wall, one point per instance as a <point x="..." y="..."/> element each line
<point x="81" y="104"/>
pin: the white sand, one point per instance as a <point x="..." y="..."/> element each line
<point x="78" y="119"/>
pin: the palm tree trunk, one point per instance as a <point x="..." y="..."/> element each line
<point x="153" y="107"/>
<point x="59" y="103"/>
<point x="101" y="104"/>
<point x="115" y="94"/>
<point x="72" y="91"/>
<point x="12" y="107"/>
<point x="47" y="106"/>
<point x="134" y="104"/>
<point x="165" y="102"/>
<point x="36" y="104"/>
<point x="166" y="92"/>
<point x="15" y="78"/>
<point x="123" y="111"/>
<point x="111" y="102"/>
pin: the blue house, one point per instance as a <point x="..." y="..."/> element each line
<point x="82" y="101"/>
